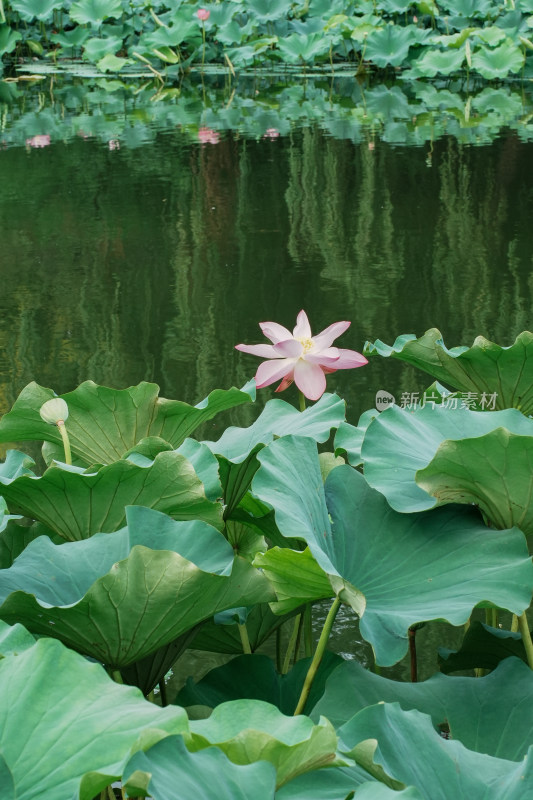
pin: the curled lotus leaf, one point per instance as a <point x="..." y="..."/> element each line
<point x="120" y="597"/>
<point x="104" y="424"/>
<point x="485" y="368"/>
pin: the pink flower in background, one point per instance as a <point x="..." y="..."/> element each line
<point x="208" y="136"/>
<point x="271" y="133"/>
<point x="113" y="144"/>
<point x="41" y="140"/>
<point x="301" y="357"/>
<point x="203" y="14"/>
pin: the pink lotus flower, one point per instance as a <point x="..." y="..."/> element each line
<point x="40" y="140"/>
<point x="301" y="357"/>
<point x="203" y="14"/>
<point x="208" y="136"/>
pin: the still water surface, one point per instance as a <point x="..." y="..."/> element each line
<point x="122" y="265"/>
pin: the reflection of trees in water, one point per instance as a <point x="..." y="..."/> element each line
<point x="153" y="263"/>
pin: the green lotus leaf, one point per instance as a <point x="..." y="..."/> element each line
<point x="482" y="647"/>
<point x="76" y="503"/>
<point x="119" y="598"/>
<point x="254" y="677"/>
<point x="397" y="444"/>
<point x="393" y="569"/>
<point x="168" y="765"/>
<point x="14" y="639"/>
<point x="103" y="424"/>
<point x="14" y="538"/>
<point x="390" y="44"/>
<point x="35" y="9"/>
<point x="409" y="750"/>
<point x="494" y="471"/>
<point x="148" y="672"/>
<point x="464" y="706"/>
<point x="261" y="623"/>
<point x="237" y="448"/>
<point x="483" y="369"/>
<point x="8" y="39"/>
<point x="63" y="718"/>
<point x="93" y="12"/>
<point x="304" y="46"/>
<point x="499" y="61"/>
<point x="339" y="783"/>
<point x="252" y="730"/>
<point x="267" y="10"/>
<point x="468" y="8"/>
<point x="95" y="49"/>
<point x="433" y="62"/>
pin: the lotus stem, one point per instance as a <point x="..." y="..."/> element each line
<point x="291" y="645"/>
<point x="319" y="654"/>
<point x="302" y="400"/>
<point x="412" y="655"/>
<point x="514" y="624"/>
<point x="526" y="637"/>
<point x="116" y="675"/>
<point x="66" y="441"/>
<point x="163" y="693"/>
<point x="308" y="630"/>
<point x="203" y="45"/>
<point x="245" y="639"/>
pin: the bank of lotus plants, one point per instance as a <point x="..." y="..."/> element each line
<point x="138" y="541"/>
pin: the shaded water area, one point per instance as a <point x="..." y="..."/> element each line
<point x="150" y="262"/>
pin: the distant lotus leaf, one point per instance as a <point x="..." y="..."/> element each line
<point x="303" y="47"/>
<point x="393" y="569"/>
<point x="484" y="369"/>
<point x="469" y="8"/>
<point x="254" y="677"/>
<point x="95" y="12"/>
<point x="465" y="705"/>
<point x="482" y="647"/>
<point x="76" y="503"/>
<point x="398" y="444"/>
<point x="168" y="765"/>
<point x="494" y="471"/>
<point x="267" y="10"/>
<point x="95" y="49"/>
<point x="499" y="61"/>
<point x="252" y="730"/>
<point x="120" y="597"/>
<point x="8" y="39"/>
<point x="433" y="62"/>
<point x="390" y="44"/>
<point x="63" y="719"/>
<point x="409" y="750"/>
<point x="104" y="423"/>
<point x="35" y="9"/>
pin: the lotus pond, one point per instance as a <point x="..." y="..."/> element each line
<point x="208" y="589"/>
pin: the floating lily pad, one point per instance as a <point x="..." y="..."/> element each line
<point x="120" y="597"/>
<point x="393" y="569"/>
<point x="484" y="368"/>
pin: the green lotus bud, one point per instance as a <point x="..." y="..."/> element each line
<point x="54" y="411"/>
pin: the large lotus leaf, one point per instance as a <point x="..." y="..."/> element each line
<point x="237" y="447"/>
<point x="394" y="569"/>
<point x="61" y="717"/>
<point x="467" y="706"/>
<point x="150" y="671"/>
<point x="390" y="44"/>
<point x="168" y="765"/>
<point x="482" y="647"/>
<point x="261" y="623"/>
<point x="408" y="749"/>
<point x="254" y="677"/>
<point x="95" y="11"/>
<point x="14" y="538"/>
<point x="14" y="639"/>
<point x="76" y="503"/>
<point x="252" y="730"/>
<point x="31" y="9"/>
<point x="498" y="62"/>
<point x="433" y="62"/>
<point x="104" y="423"/>
<point x="339" y="783"/>
<point x="303" y="46"/>
<point x="484" y="368"/>
<point x="398" y="443"/>
<point x="119" y="598"/>
<point x="494" y="471"/>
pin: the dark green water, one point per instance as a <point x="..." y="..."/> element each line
<point x="152" y="263"/>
